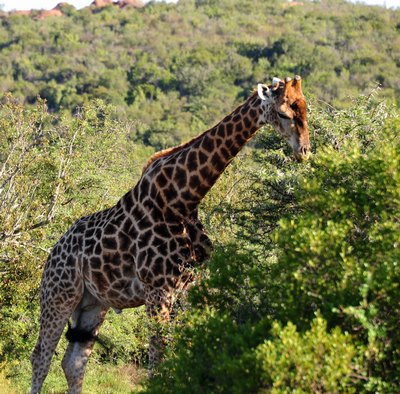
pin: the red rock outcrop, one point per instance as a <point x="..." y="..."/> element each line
<point x="47" y="13"/>
<point x="130" y="3"/>
<point x="101" y="3"/>
<point x="57" y="10"/>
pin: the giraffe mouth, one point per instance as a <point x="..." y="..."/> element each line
<point x="302" y="154"/>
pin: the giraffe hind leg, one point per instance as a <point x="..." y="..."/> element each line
<point x="53" y="321"/>
<point x="58" y="299"/>
<point x="82" y="334"/>
<point x="43" y="353"/>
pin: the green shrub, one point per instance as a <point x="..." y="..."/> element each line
<point x="340" y="252"/>
<point x="314" y="361"/>
<point x="213" y="354"/>
<point x="123" y="338"/>
<point x="328" y="244"/>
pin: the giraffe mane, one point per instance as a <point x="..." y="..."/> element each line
<point x="170" y="151"/>
<point x="178" y="148"/>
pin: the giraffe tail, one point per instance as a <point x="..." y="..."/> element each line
<point x="79" y="335"/>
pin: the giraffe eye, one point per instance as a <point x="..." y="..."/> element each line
<point x="283" y="116"/>
<point x="294" y="107"/>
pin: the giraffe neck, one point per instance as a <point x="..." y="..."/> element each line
<point x="176" y="180"/>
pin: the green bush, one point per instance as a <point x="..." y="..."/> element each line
<point x="314" y="361"/>
<point x="340" y="253"/>
<point x="211" y="353"/>
<point x="328" y="244"/>
<point x="124" y="338"/>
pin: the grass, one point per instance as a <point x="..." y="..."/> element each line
<point x="6" y="387"/>
<point x="99" y="379"/>
<point x="114" y="379"/>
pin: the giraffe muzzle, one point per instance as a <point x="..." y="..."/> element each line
<point x="303" y="153"/>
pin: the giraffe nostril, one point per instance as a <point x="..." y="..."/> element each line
<point x="303" y="152"/>
<point x="305" y="149"/>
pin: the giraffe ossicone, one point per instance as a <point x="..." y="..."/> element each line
<point x="142" y="250"/>
<point x="275" y="81"/>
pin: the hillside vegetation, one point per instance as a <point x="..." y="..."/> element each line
<point x="302" y="292"/>
<point x="176" y="68"/>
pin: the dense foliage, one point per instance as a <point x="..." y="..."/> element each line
<point x="311" y="301"/>
<point x="302" y="292"/>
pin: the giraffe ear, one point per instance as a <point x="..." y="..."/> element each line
<point x="262" y="90"/>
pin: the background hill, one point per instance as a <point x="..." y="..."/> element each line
<point x="176" y="67"/>
<point x="302" y="292"/>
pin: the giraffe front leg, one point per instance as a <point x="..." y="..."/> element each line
<point x="200" y="243"/>
<point x="159" y="303"/>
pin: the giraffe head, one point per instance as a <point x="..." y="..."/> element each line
<point x="284" y="107"/>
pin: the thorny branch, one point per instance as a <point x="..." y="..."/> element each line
<point x="17" y="205"/>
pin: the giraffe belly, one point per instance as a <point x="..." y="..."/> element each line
<point x="113" y="291"/>
<point x="119" y="296"/>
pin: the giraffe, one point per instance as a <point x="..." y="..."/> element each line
<point x="140" y="251"/>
